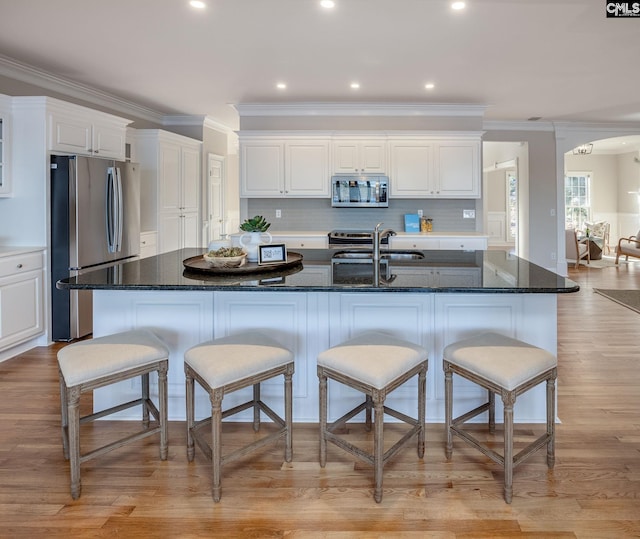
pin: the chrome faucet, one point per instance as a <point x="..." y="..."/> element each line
<point x="378" y="235"/>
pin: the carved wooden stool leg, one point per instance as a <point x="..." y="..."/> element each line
<point x="378" y="451"/>
<point x="323" y="416"/>
<point x="508" y="399"/>
<point x="551" y="420"/>
<point x="256" y="408"/>
<point x="145" y="400"/>
<point x="288" y="413"/>
<point x="163" y="419"/>
<point x="216" y="442"/>
<point x="73" y="410"/>
<point x="65" y="416"/>
<point x="422" y="407"/>
<point x="189" y="385"/>
<point x="448" y="391"/>
<point x="491" y="399"/>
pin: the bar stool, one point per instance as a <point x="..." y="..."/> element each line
<point x="87" y="365"/>
<point x="508" y="367"/>
<point x="225" y="365"/>
<point x="374" y="364"/>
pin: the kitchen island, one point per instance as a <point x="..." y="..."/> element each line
<point x="431" y="298"/>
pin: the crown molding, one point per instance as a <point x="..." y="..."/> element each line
<point x="49" y="81"/>
<point x="196" y="120"/>
<point x="359" y="109"/>
<point x="491" y="125"/>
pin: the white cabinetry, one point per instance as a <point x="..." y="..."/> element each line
<point x="435" y="242"/>
<point x="5" y="140"/>
<point x="21" y="297"/>
<point x="276" y="167"/>
<point x="83" y="131"/>
<point x="170" y="173"/>
<point x="148" y="244"/>
<point x="428" y="167"/>
<point x="359" y="156"/>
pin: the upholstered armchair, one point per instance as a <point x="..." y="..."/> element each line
<point x="599" y="232"/>
<point x="628" y="247"/>
<point x="575" y="250"/>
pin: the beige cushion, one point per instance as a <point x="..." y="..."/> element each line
<point x="505" y="361"/>
<point x="375" y="359"/>
<point x="86" y="361"/>
<point x="230" y="359"/>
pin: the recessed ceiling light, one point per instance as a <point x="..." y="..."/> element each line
<point x="429" y="86"/>
<point x="281" y="86"/>
<point x="458" y="5"/>
<point x="355" y="85"/>
<point x="328" y="4"/>
<point x="197" y="4"/>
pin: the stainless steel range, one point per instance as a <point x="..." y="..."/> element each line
<point x="353" y="238"/>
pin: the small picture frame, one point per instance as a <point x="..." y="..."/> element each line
<point x="273" y="253"/>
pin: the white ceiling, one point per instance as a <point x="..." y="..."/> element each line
<point x="561" y="60"/>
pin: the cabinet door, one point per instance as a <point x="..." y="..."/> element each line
<point x="108" y="141"/>
<point x="190" y="230"/>
<point x="190" y="179"/>
<point x="5" y="185"/>
<point x="373" y="156"/>
<point x="307" y="169"/>
<point x="458" y="169"/>
<point x="169" y="231"/>
<point x="21" y="314"/>
<point x="71" y="135"/>
<point x="345" y="157"/>
<point x="262" y="172"/>
<point x="358" y="156"/>
<point x="411" y="169"/>
<point x="169" y="173"/>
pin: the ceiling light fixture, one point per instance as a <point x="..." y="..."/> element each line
<point x="458" y="5"/>
<point x="328" y="4"/>
<point x="355" y="85"/>
<point x="429" y="86"/>
<point x="583" y="149"/>
<point x="281" y="86"/>
<point x="197" y="4"/>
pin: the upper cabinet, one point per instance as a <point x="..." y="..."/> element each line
<point x="170" y="173"/>
<point x="429" y="167"/>
<point x="5" y="140"/>
<point x="279" y="167"/>
<point x="359" y="156"/>
<point x="85" y="132"/>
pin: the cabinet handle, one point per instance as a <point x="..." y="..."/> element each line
<point x="95" y="151"/>
<point x="19" y="266"/>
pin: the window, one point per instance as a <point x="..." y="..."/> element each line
<point x="577" y="199"/>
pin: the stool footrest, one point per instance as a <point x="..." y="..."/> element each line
<point x="118" y="408"/>
<point x="119" y="443"/>
<point x="497" y="457"/>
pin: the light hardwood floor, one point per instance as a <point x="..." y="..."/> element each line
<point x="594" y="490"/>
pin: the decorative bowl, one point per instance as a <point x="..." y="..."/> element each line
<point x="215" y="259"/>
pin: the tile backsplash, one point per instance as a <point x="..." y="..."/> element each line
<point x="302" y="214"/>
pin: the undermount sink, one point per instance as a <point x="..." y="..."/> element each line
<point x="364" y="255"/>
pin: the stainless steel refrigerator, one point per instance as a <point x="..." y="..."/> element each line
<point x="95" y="223"/>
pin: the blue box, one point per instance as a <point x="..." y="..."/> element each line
<point x="412" y="222"/>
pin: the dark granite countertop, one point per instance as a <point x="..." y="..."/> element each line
<point x="439" y="271"/>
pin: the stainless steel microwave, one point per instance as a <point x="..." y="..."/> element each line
<point x="349" y="191"/>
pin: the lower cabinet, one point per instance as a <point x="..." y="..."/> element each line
<point x="21" y="298"/>
<point x="148" y="244"/>
<point x="451" y="243"/>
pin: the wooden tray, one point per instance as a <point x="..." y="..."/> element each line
<point x="198" y="264"/>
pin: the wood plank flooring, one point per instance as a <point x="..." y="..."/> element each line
<point x="593" y="492"/>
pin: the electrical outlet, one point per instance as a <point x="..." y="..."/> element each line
<point x="468" y="214"/>
<point x="278" y="214"/>
<point x="419" y="213"/>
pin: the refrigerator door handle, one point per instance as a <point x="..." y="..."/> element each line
<point x="119" y="211"/>
<point x="111" y="210"/>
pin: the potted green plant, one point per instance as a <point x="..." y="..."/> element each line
<point x="255" y="233"/>
<point x="255" y="224"/>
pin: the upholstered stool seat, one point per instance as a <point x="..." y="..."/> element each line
<point x="225" y="365"/>
<point x="374" y="364"/>
<point x="508" y="367"/>
<point x="89" y="364"/>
